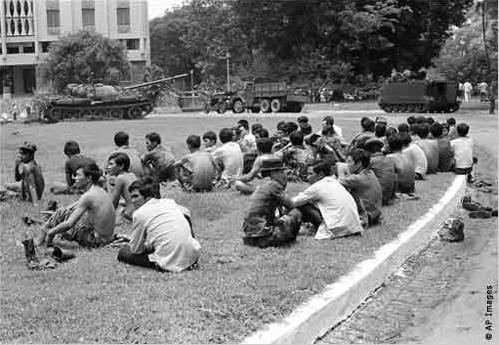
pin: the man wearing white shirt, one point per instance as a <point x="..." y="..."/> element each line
<point x="162" y="236"/>
<point x="328" y="205"/>
<point x="229" y="156"/>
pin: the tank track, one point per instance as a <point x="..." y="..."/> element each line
<point x="96" y="111"/>
<point x="416" y="108"/>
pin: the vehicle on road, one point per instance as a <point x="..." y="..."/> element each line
<point x="96" y="102"/>
<point x="420" y="96"/>
<point x="260" y="95"/>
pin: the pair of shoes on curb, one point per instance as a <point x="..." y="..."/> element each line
<point x="452" y="230"/>
<point x="483" y="214"/>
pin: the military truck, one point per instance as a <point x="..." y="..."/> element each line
<point x="420" y="96"/>
<point x="266" y="96"/>
<point x="260" y="95"/>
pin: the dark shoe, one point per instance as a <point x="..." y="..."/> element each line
<point x="59" y="254"/>
<point x="30" y="250"/>
<point x="51" y="206"/>
<point x="480" y="214"/>
<point x="470" y="205"/>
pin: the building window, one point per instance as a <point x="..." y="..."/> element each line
<point x="133" y="44"/>
<point x="123" y="15"/>
<point x="28" y="48"/>
<point x="12" y="49"/>
<point x="53" y="21"/>
<point x="88" y="15"/>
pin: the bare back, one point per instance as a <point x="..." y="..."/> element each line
<point x="100" y="211"/>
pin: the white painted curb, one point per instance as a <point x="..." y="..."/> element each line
<point x="316" y="316"/>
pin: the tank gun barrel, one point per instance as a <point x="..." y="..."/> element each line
<point x="131" y="87"/>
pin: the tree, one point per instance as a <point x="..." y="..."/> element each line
<point x="464" y="57"/>
<point x="329" y="41"/>
<point x="85" y="57"/>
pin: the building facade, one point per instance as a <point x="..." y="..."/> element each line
<point x="28" y="27"/>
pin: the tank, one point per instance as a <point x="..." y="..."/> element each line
<point x="420" y="96"/>
<point x="97" y="102"/>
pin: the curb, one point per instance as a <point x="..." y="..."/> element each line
<point x="315" y="317"/>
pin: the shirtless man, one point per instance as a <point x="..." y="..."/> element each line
<point x="242" y="183"/>
<point x="29" y="183"/>
<point x="118" y="165"/>
<point x="97" y="229"/>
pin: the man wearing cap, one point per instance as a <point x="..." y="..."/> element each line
<point x="261" y="227"/>
<point x="28" y="175"/>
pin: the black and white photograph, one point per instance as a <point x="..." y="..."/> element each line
<point x="249" y="171"/>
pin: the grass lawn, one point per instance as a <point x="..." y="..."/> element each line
<point x="236" y="291"/>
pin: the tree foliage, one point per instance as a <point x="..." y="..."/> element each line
<point x="335" y="40"/>
<point x="463" y="56"/>
<point x="85" y="57"/>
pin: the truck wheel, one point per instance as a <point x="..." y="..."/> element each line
<point x="265" y="106"/>
<point x="275" y="105"/>
<point x="238" y="106"/>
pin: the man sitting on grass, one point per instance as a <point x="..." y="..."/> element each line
<point x="197" y="170"/>
<point x="264" y="147"/>
<point x="462" y="147"/>
<point x="445" y="154"/>
<point x="327" y="205"/>
<point x="75" y="161"/>
<point x="429" y="147"/>
<point x="118" y="166"/>
<point x="29" y="183"/>
<point x="404" y="167"/>
<point x="210" y="141"/>
<point x="384" y="169"/>
<point x="97" y="229"/>
<point x="228" y="157"/>
<point x="121" y="140"/>
<point x="261" y="226"/>
<point x="296" y="158"/>
<point x="162" y="236"/>
<point x="364" y="186"/>
<point x="159" y="161"/>
<point x="415" y="155"/>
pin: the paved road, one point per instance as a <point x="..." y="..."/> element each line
<point x="438" y="297"/>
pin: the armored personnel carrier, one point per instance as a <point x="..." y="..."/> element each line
<point x="419" y="96"/>
<point x="97" y="102"/>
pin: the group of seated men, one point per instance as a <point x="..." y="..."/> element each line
<point x="349" y="183"/>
